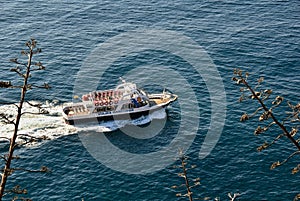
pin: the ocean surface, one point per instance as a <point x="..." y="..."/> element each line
<point x="89" y="44"/>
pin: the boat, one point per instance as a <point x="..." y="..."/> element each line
<point x="126" y="101"/>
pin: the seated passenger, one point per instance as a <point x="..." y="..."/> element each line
<point x="136" y="104"/>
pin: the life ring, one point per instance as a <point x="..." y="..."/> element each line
<point x="116" y="100"/>
<point x="96" y="103"/>
<point x="117" y="94"/>
<point x="85" y="98"/>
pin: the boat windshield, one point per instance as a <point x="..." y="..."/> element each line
<point x="127" y="88"/>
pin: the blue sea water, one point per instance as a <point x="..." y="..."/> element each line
<point x="261" y="37"/>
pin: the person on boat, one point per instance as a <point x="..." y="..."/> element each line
<point x="135" y="102"/>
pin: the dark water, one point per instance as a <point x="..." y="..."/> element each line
<point x="261" y="37"/>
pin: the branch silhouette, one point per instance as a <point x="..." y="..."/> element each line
<point x="23" y="70"/>
<point x="288" y="125"/>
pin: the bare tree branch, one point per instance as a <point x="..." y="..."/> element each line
<point x="42" y="169"/>
<point x="43" y="111"/>
<point x="25" y="75"/>
<point x="45" y="86"/>
<point x="5" y="138"/>
<point x="5" y="84"/>
<point x="278" y="163"/>
<point x="15" y="60"/>
<point x="268" y="112"/>
<point x="9" y="103"/>
<point x="266" y="145"/>
<point x="4" y="158"/>
<point x="18" y="71"/>
<point x="234" y="196"/>
<point x="5" y="119"/>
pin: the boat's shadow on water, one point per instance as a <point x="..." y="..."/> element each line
<point x="140" y="136"/>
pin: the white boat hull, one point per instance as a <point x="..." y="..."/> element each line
<point x="133" y="113"/>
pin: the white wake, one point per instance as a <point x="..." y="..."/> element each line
<point x="52" y="125"/>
